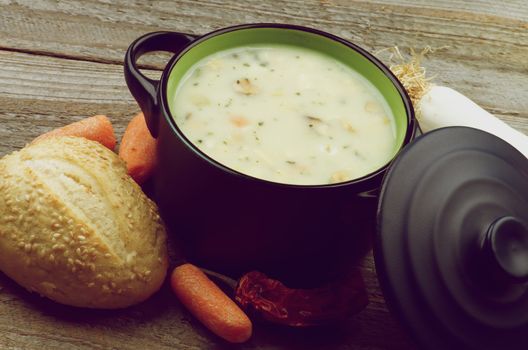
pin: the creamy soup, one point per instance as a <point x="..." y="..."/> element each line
<point x="285" y="114"/>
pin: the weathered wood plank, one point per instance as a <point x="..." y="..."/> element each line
<point x="101" y="31"/>
<point x="507" y="9"/>
<point x="93" y="26"/>
<point x="39" y="93"/>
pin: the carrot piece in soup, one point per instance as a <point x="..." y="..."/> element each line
<point x="239" y="121"/>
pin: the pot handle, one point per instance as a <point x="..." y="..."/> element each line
<point x="145" y="89"/>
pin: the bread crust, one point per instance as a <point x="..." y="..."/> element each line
<point x="74" y="227"/>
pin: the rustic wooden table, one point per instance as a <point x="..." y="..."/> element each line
<point x="61" y="61"/>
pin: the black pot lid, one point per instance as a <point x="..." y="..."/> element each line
<point x="452" y="242"/>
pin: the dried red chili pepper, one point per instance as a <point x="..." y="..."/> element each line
<point x="273" y="301"/>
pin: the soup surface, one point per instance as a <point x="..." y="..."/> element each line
<point x="285" y="114"/>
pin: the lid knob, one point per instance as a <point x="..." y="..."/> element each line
<point x="506" y="248"/>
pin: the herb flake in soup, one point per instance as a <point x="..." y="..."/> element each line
<point x="285" y="114"/>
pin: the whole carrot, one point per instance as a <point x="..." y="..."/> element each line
<point x="97" y="128"/>
<point x="209" y="304"/>
<point x="138" y="149"/>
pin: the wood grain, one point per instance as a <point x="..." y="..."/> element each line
<point x="61" y="61"/>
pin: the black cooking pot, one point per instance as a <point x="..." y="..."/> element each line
<point x="451" y="246"/>
<point x="233" y="222"/>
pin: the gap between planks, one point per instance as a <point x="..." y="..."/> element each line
<point x="79" y="58"/>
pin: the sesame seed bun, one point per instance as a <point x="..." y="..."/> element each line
<point x="74" y="227"/>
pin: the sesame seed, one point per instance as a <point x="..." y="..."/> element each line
<point x="58" y="247"/>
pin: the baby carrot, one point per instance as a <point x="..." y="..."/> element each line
<point x="239" y="121"/>
<point x="97" y="128"/>
<point x="138" y="149"/>
<point x="209" y="304"/>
